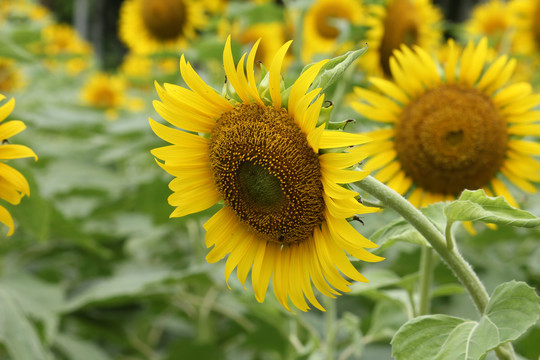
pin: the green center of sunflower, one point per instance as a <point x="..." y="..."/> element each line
<point x="164" y="19"/>
<point x="399" y="27"/>
<point x="450" y="139"/>
<point x="267" y="173"/>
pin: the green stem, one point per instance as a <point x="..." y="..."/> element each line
<point x="426" y="275"/>
<point x="331" y="328"/>
<point x="461" y="269"/>
<point x="452" y="258"/>
<point x="448" y="235"/>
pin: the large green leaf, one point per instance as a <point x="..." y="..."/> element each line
<point x="16" y="331"/>
<point x="37" y="299"/>
<point x="127" y="284"/>
<point x="512" y="309"/>
<point x="477" y="206"/>
<point x="74" y="348"/>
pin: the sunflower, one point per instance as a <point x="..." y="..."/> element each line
<point x="321" y="35"/>
<point x="409" y="22"/>
<point x="150" y="26"/>
<point x="10" y="76"/>
<point x="284" y="214"/>
<point x="272" y="35"/>
<point x="525" y="15"/>
<point x="105" y="92"/>
<point x="13" y="185"/>
<point x="450" y="129"/>
<point x="491" y="19"/>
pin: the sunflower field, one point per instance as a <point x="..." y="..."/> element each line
<point x="267" y="180"/>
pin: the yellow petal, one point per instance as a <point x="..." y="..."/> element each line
<point x="16" y="152"/>
<point x="302" y="84"/>
<point x="11" y="128"/>
<point x="6" y="219"/>
<point x="337" y="139"/>
<point x="274" y="77"/>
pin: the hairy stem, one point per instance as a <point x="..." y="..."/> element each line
<point x="426" y="276"/>
<point x="461" y="269"/>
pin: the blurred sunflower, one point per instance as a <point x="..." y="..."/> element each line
<point x="22" y="9"/>
<point x="150" y="26"/>
<point x="409" y="22"/>
<point x="10" y="76"/>
<point x="63" y="46"/>
<point x="220" y="6"/>
<point x="323" y="25"/>
<point x="458" y="128"/>
<point x="525" y="15"/>
<point x="491" y="19"/>
<point x="13" y="185"/>
<point x="272" y="36"/>
<point x="285" y="216"/>
<point x="106" y="92"/>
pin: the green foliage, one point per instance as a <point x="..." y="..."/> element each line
<point x="477" y="206"/>
<point x="513" y="308"/>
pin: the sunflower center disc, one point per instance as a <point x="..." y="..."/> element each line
<point x="164" y="18"/>
<point x="267" y="173"/>
<point x="451" y="139"/>
<point x="400" y="27"/>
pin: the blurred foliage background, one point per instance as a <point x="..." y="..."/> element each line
<point x="97" y="271"/>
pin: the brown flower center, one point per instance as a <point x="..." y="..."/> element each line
<point x="267" y="173"/>
<point x="164" y="19"/>
<point x="400" y="26"/>
<point x="325" y="16"/>
<point x="536" y="24"/>
<point x="450" y="139"/>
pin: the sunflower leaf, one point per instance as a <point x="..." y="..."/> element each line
<point x="512" y="309"/>
<point x="334" y="69"/>
<point x="17" y="333"/>
<point x="477" y="206"/>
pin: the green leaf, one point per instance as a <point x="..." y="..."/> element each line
<point x="129" y="284"/>
<point x="477" y="206"/>
<point x="74" y="348"/>
<point x="512" y="309"/>
<point x="386" y="319"/>
<point x="402" y="231"/>
<point x="333" y="70"/>
<point x="37" y="299"/>
<point x="16" y="331"/>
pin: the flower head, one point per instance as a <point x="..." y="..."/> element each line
<point x="396" y="22"/>
<point x="13" y="185"/>
<point x="284" y="214"/>
<point x="149" y="26"/>
<point x="452" y="128"/>
<point x="321" y="31"/>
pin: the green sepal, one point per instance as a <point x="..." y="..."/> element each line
<point x="334" y="69"/>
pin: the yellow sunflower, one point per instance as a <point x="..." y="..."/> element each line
<point x="321" y="25"/>
<point x="150" y="26"/>
<point x="284" y="214"/>
<point x="458" y="127"/>
<point x="106" y="92"/>
<point x="525" y="16"/>
<point x="409" y="22"/>
<point x="10" y="77"/>
<point x="13" y="185"/>
<point x="491" y="19"/>
<point x="272" y="36"/>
